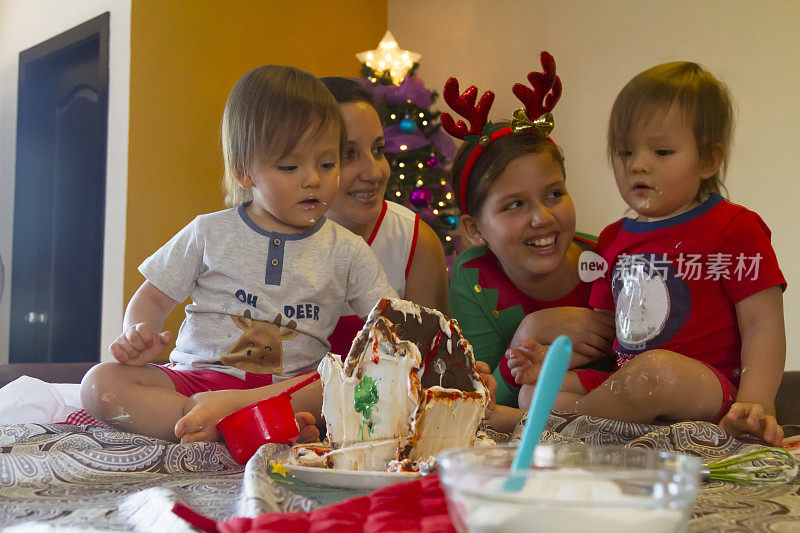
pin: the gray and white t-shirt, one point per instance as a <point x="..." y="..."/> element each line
<point x="262" y="302"/>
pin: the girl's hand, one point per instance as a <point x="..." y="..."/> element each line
<point x="525" y="361"/>
<point x="750" y="419"/>
<point x="139" y="345"/>
<point x="486" y="374"/>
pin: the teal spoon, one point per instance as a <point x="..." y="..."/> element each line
<point x="552" y="374"/>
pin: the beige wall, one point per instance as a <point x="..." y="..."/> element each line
<point x="185" y="57"/>
<point x="599" y="46"/>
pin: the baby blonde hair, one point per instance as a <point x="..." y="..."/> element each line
<point x="268" y="111"/>
<point x="703" y="99"/>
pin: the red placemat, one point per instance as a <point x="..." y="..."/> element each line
<point x="418" y="506"/>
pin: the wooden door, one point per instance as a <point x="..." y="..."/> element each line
<point x="59" y="199"/>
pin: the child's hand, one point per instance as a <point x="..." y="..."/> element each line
<point x="750" y="419"/>
<point x="486" y="374"/>
<point x="139" y="345"/>
<point x="525" y="361"/>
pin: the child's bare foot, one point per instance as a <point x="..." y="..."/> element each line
<point x="202" y="411"/>
<point x="205" y="409"/>
<point x="308" y="429"/>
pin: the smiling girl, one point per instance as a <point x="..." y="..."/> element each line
<point x="518" y="287"/>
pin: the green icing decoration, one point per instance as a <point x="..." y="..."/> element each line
<point x="365" y="396"/>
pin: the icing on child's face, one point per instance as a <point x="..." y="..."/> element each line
<point x="528" y="218"/>
<point x="365" y="170"/>
<point x="659" y="172"/>
<point x="291" y="193"/>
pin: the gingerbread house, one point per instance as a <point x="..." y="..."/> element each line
<point x="407" y="389"/>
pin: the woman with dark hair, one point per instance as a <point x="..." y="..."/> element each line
<point x="409" y="250"/>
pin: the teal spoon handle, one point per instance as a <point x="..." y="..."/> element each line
<point x="548" y="385"/>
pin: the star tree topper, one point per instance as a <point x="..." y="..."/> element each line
<point x="389" y="57"/>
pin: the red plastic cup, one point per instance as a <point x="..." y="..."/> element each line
<point x="270" y="420"/>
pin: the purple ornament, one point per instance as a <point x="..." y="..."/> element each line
<point x="421" y="197"/>
<point x="412" y="89"/>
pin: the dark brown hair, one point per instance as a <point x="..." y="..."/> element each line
<point x="494" y="160"/>
<point x="269" y="110"/>
<point x="347" y="90"/>
<point x="703" y="99"/>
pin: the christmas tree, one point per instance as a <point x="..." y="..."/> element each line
<point x="418" y="151"/>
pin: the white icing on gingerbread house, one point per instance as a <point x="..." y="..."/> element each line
<point x="407" y="390"/>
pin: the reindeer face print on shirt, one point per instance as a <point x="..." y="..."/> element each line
<point x="260" y="348"/>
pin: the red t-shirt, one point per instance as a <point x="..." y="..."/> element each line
<point x="674" y="283"/>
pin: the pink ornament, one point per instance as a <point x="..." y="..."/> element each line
<point x="421" y="197"/>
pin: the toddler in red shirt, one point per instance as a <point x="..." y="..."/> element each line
<point x="692" y="278"/>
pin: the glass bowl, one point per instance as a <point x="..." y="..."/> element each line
<point x="570" y="487"/>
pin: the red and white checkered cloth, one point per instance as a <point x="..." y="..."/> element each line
<point x="82" y="418"/>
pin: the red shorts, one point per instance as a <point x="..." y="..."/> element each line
<point x="189" y="382"/>
<point x="591" y="379"/>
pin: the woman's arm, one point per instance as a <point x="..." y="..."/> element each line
<point x="426" y="283"/>
<point x="761" y="326"/>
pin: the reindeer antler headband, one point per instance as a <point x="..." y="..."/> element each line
<point x="534" y="118"/>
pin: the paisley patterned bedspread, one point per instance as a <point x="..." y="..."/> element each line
<point x="81" y="478"/>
